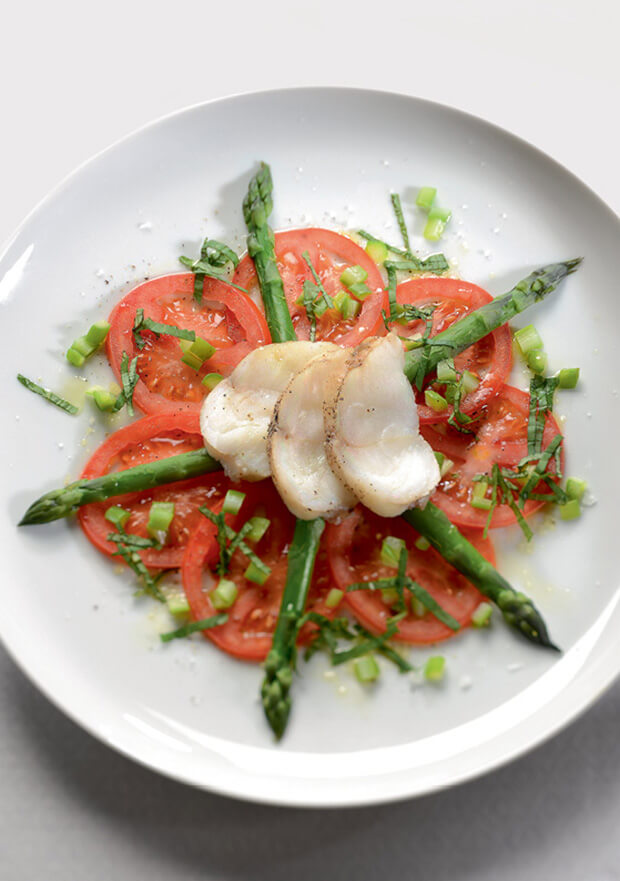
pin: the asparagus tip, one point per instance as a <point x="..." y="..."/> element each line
<point x="573" y="265"/>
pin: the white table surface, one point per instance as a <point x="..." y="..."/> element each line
<point x="76" y="77"/>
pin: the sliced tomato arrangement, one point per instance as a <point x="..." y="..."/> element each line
<point x="226" y="317"/>
<point x="330" y="254"/>
<point x="353" y="550"/>
<point x="252" y="619"/>
<point x="148" y="439"/>
<point x="501" y="438"/>
<point x="490" y="359"/>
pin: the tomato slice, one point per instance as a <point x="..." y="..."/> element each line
<point x="354" y="548"/>
<point x="252" y="619"/>
<point x="490" y="358"/>
<point x="330" y="254"/>
<point x="148" y="439"/>
<point x="227" y="318"/>
<point x="500" y="438"/>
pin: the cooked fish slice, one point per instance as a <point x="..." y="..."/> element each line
<point x="235" y="416"/>
<point x="372" y="439"/>
<point x="299" y="466"/>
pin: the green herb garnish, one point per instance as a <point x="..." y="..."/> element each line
<point x="141" y="323"/>
<point x="213" y="261"/>
<point x="195" y="627"/>
<point x="52" y="397"/>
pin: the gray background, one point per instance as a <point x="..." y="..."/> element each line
<point x="75" y="77"/>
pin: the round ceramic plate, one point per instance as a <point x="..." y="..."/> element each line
<point x="71" y="621"/>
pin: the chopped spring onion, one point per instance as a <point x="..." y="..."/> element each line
<point x="360" y="290"/>
<point x="366" y="669"/>
<point x="444" y="463"/>
<point x="417" y="607"/>
<point x="257" y="573"/>
<point x="422" y="544"/>
<point x="259" y="526"/>
<point x="195" y="627"/>
<point x="528" y="339"/>
<point x="413" y="342"/>
<point x="433" y="229"/>
<point x="425" y="198"/>
<point x="537" y="360"/>
<point x="85" y="346"/>
<point x="232" y="502"/>
<point x="346" y="305"/>
<point x="224" y="595"/>
<point x="334" y="598"/>
<point x="377" y="251"/>
<point x="568" y="377"/>
<point x="446" y="372"/>
<point x="160" y="518"/>
<point x="571" y="510"/>
<point x="197" y="353"/>
<point x="52" y="397"/>
<point x="177" y="604"/>
<point x="389" y="595"/>
<point x="391" y="550"/>
<point x="353" y="275"/>
<point x="435" y="401"/>
<point x="438" y="213"/>
<point x="103" y="398"/>
<point x="434" y="668"/>
<point x="575" y="488"/>
<point x="482" y="615"/>
<point x="117" y="516"/>
<point x="478" y="496"/>
<point x="469" y="382"/>
<point x="210" y="380"/>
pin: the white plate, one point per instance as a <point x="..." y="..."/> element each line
<point x="185" y="709"/>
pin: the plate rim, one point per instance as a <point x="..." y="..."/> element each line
<point x="606" y="674"/>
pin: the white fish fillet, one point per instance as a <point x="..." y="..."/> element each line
<point x="299" y="466"/>
<point x="373" y="444"/>
<point x="235" y="416"/>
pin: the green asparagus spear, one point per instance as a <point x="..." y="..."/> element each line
<point x="257" y="207"/>
<point x="62" y="502"/>
<point x="518" y="610"/>
<point x="480" y="322"/>
<point x="280" y="662"/>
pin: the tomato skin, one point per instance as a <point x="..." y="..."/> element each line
<point x="150" y="438"/>
<point x="489" y="358"/>
<point x="501" y="439"/>
<point x="167" y="385"/>
<point x="353" y="549"/>
<point x="252" y="619"/>
<point x="330" y="253"/>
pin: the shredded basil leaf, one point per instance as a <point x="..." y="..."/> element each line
<point x="195" y="627"/>
<point x="52" y="397"/>
<point x="141" y="323"/>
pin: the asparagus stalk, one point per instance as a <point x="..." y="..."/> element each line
<point x="257" y="207"/>
<point x="518" y="610"/>
<point x="62" y="502"/>
<point x="463" y="333"/>
<point x="280" y="663"/>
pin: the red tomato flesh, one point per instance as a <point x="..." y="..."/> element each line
<point x="252" y="619"/>
<point x="490" y="359"/>
<point x="501" y="438"/>
<point x="148" y="439"/>
<point x="354" y="548"/>
<point x="227" y="318"/>
<point x="330" y="254"/>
